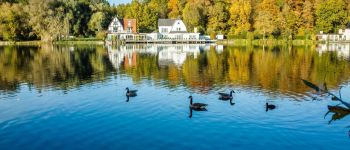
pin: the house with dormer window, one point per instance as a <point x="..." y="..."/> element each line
<point x="174" y="29"/>
<point x="115" y="26"/>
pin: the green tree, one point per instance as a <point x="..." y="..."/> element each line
<point x="217" y="18"/>
<point x="148" y="22"/>
<point x="330" y="15"/>
<point x="193" y="16"/>
<point x="14" y="22"/>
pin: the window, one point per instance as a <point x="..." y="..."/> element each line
<point x="178" y="29"/>
<point x="164" y="30"/>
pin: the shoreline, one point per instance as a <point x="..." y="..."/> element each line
<point x="37" y="43"/>
<point x="236" y="42"/>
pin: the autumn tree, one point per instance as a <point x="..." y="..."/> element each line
<point x="217" y="18"/>
<point x="174" y="10"/>
<point x="266" y="15"/>
<point x="240" y="16"/>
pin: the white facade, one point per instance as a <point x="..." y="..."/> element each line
<point x="343" y="35"/>
<point x="169" y="30"/>
<point x="115" y="26"/>
<point x="172" y="26"/>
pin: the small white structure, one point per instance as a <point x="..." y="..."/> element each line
<point x="115" y="26"/>
<point x="343" y="35"/>
<point x="219" y="37"/>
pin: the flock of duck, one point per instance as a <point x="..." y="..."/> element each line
<point x="201" y="106"/>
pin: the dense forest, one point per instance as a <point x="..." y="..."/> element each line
<point x="50" y="20"/>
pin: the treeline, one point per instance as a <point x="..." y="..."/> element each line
<point x="51" y="20"/>
<point x="285" y="19"/>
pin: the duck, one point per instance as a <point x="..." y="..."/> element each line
<point x="226" y="96"/>
<point x="197" y="106"/>
<point x="130" y="93"/>
<point x="270" y="106"/>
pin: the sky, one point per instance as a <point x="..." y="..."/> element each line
<point x="118" y="1"/>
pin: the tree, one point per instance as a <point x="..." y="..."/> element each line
<point x="265" y="20"/>
<point x="193" y="16"/>
<point x="46" y="19"/>
<point x="159" y="6"/>
<point x="240" y="16"/>
<point x="330" y="15"/>
<point x="14" y="22"/>
<point x="217" y="18"/>
<point x="96" y="22"/>
<point x="174" y="10"/>
<point x="148" y="22"/>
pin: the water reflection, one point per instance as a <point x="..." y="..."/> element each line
<point x="339" y="112"/>
<point x="54" y="66"/>
<point x="167" y="54"/>
<point x="205" y="68"/>
<point x="200" y="68"/>
<point x="342" y="50"/>
<point x="93" y="80"/>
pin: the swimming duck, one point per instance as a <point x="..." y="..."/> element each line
<point x="270" y="106"/>
<point x="196" y="106"/>
<point x="130" y="93"/>
<point x="226" y="96"/>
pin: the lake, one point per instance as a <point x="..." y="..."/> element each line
<point x="74" y="97"/>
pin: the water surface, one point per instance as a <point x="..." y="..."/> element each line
<point x="73" y="97"/>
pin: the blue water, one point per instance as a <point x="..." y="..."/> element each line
<point x="93" y="113"/>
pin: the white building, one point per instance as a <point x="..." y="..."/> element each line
<point x="169" y="30"/>
<point x="115" y="26"/>
<point x="343" y="35"/>
<point x="174" y="29"/>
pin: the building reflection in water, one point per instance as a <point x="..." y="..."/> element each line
<point x="342" y="50"/>
<point x="166" y="53"/>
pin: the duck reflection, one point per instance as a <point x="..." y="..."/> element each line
<point x="232" y="103"/>
<point x="127" y="98"/>
<point x="196" y="109"/>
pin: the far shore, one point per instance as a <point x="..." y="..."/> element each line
<point x="35" y="43"/>
<point x="236" y="42"/>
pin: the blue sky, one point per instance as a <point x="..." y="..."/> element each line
<point x="118" y="1"/>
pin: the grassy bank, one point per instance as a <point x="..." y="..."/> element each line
<point x="260" y="42"/>
<point x="97" y="42"/>
<point x="20" y="43"/>
<point x="81" y="41"/>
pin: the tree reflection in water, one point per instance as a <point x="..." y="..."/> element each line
<point x="339" y="112"/>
